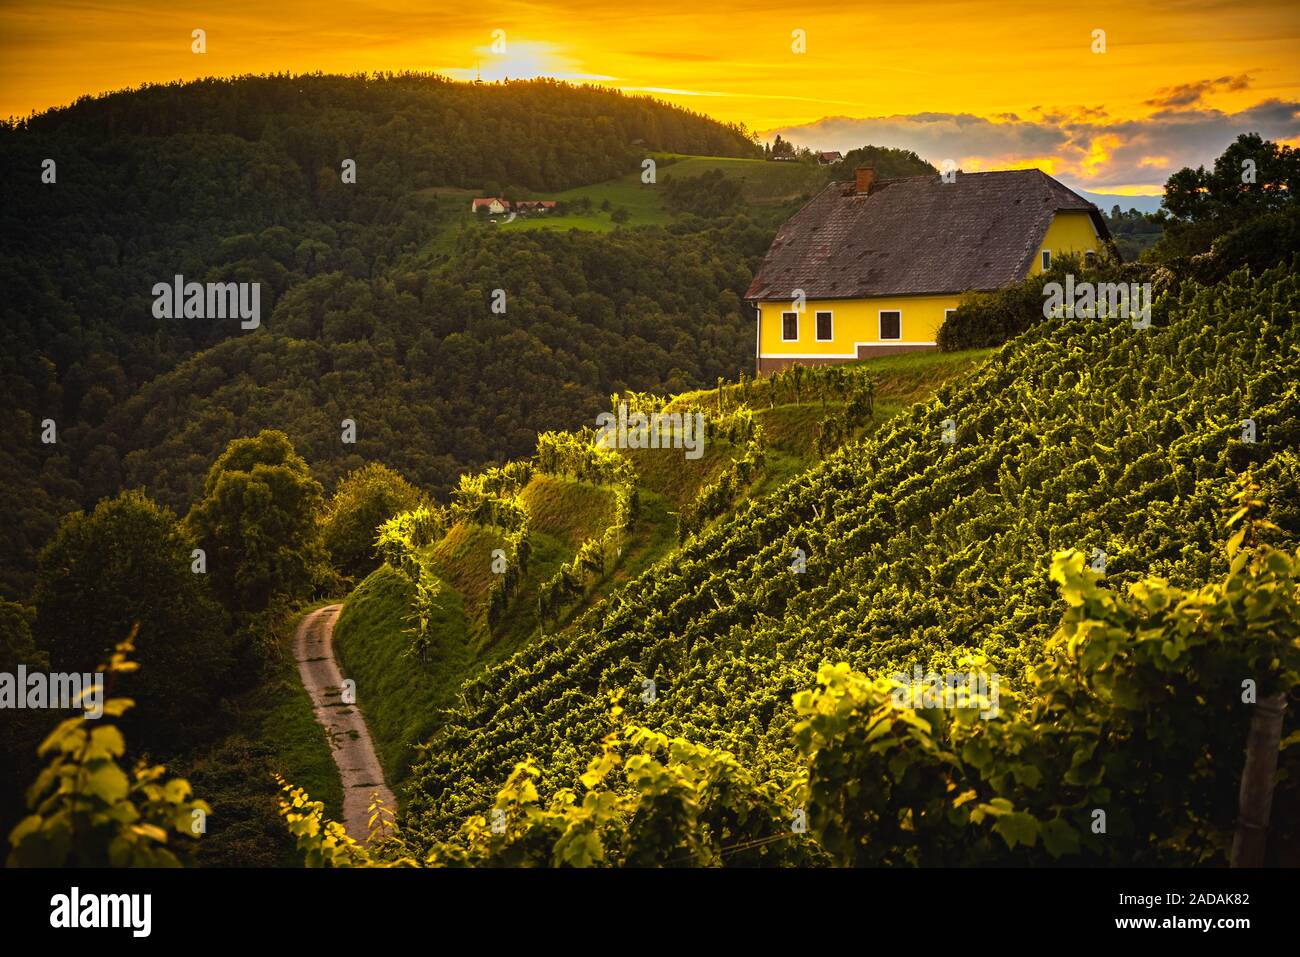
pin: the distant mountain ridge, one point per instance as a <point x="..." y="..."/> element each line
<point x="1108" y="201"/>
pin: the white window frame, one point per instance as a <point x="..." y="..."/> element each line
<point x="948" y="312"/>
<point x="1045" y="260"/>
<point x="880" y="325"/>
<point x="830" y="314"/>
<point x="794" y="313"/>
<point x="1090" y="257"/>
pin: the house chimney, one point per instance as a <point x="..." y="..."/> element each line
<point x="865" y="176"/>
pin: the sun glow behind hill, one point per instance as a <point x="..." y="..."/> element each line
<point x="996" y="85"/>
<point x="522" y="60"/>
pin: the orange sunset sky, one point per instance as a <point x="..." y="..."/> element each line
<point x="988" y="85"/>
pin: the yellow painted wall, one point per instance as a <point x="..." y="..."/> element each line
<point x="856" y="321"/>
<point x="853" y="321"/>
<point x="1070" y="232"/>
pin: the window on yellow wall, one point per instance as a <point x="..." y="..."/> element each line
<point x="1090" y="258"/>
<point x="825" y="332"/>
<point x="789" y="327"/>
<point x="1047" y="259"/>
<point x="891" y="325"/>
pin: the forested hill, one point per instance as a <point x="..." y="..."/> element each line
<point x="410" y="130"/>
<point x="374" y="296"/>
<point x="189" y="177"/>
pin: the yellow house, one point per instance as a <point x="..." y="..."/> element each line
<point x="872" y="267"/>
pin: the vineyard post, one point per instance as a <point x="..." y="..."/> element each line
<point x="1255" y="800"/>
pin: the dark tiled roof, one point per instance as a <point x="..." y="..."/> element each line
<point x="914" y="236"/>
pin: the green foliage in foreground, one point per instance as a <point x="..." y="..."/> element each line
<point x="86" y="811"/>
<point x="1138" y="700"/>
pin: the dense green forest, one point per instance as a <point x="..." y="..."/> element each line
<point x="362" y="316"/>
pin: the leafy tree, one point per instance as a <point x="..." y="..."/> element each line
<point x="888" y="162"/>
<point x="129" y="563"/>
<point x="365" y="499"/>
<point x="1257" y="244"/>
<point x="86" y="811"/>
<point x="258" y="522"/>
<point x="1251" y="176"/>
<point x="16" y="643"/>
<point x="1252" y="179"/>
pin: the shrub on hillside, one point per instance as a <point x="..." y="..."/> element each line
<point x="984" y="319"/>
<point x="365" y="499"/>
<point x="1257" y="245"/>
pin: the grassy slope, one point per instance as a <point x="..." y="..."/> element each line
<point x="405" y="700"/>
<point x="399" y="695"/>
<point x="569" y="511"/>
<point x="402" y="696"/>
<point x="463" y="560"/>
<point x="763" y="184"/>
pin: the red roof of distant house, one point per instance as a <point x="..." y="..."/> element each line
<point x="517" y="204"/>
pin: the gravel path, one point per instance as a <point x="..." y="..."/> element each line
<point x="313" y="647"/>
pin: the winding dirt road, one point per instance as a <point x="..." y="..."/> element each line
<point x="313" y="647"/>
